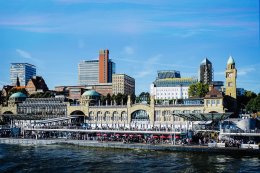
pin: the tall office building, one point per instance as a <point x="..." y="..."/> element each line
<point x="23" y="71"/>
<point x="123" y="84"/>
<point x="106" y="67"/>
<point x="88" y="72"/>
<point x="93" y="72"/>
<point x="206" y="72"/>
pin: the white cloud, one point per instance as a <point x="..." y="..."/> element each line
<point x="129" y="50"/>
<point x="24" y="54"/>
<point x="245" y="71"/>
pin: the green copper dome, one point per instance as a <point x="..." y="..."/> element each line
<point x="90" y="93"/>
<point x="18" y="95"/>
<point x="230" y="60"/>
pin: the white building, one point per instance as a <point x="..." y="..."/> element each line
<point x="171" y="88"/>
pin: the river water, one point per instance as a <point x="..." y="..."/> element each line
<point x="64" y="158"/>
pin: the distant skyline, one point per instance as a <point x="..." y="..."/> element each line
<point x="143" y="36"/>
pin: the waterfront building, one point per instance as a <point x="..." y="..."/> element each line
<point x="43" y="108"/>
<point x="92" y="72"/>
<point x="213" y="101"/>
<point x="23" y="71"/>
<point x="165" y="88"/>
<point x="16" y="98"/>
<point x="123" y="84"/>
<point x="206" y="72"/>
<point x="139" y="115"/>
<point x="36" y="84"/>
<point x="231" y="76"/>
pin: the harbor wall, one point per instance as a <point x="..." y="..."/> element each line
<point x="120" y="145"/>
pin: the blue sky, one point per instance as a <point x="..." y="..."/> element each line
<point x="143" y="36"/>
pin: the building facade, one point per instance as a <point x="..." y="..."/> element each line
<point x="231" y="76"/>
<point x="140" y="115"/>
<point x="23" y="71"/>
<point x="102" y="88"/>
<point x="166" y="87"/>
<point x="36" y="84"/>
<point x="123" y="84"/>
<point x="92" y="72"/>
<point x="163" y="74"/>
<point x="88" y="72"/>
<point x="206" y="72"/>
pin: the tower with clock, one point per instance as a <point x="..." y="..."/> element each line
<point x="231" y="76"/>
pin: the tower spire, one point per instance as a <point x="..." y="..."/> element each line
<point x="17" y="81"/>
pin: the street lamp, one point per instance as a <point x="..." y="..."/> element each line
<point x="173" y="126"/>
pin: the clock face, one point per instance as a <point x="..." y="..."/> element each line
<point x="230" y="74"/>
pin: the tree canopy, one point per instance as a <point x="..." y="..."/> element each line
<point x="198" y="90"/>
<point x="254" y="104"/>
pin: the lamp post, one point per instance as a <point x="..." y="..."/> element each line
<point x="173" y="126"/>
<point x="174" y="140"/>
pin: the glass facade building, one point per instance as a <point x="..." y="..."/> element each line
<point x="206" y="72"/>
<point x="88" y="72"/>
<point x="169" y="85"/>
<point x="23" y="71"/>
<point x="92" y="72"/>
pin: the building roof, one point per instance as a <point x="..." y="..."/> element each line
<point x="214" y="93"/>
<point x="90" y="93"/>
<point x="231" y="60"/>
<point x="18" y="95"/>
<point x="173" y="82"/>
<point x="205" y="61"/>
<point x="39" y="83"/>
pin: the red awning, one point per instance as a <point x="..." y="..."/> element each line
<point x="155" y="137"/>
<point x="162" y="137"/>
<point x="98" y="134"/>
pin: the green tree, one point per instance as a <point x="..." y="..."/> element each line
<point x="144" y="97"/>
<point x="133" y="98"/>
<point x="198" y="90"/>
<point x="108" y="98"/>
<point x="254" y="104"/>
<point x="118" y="98"/>
<point x="243" y="100"/>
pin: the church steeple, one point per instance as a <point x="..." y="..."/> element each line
<point x="17" y="81"/>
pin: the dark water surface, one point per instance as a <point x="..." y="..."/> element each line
<point x="57" y="158"/>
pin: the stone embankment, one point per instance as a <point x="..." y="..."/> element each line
<point x="120" y="145"/>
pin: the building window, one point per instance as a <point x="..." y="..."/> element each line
<point x="213" y="102"/>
